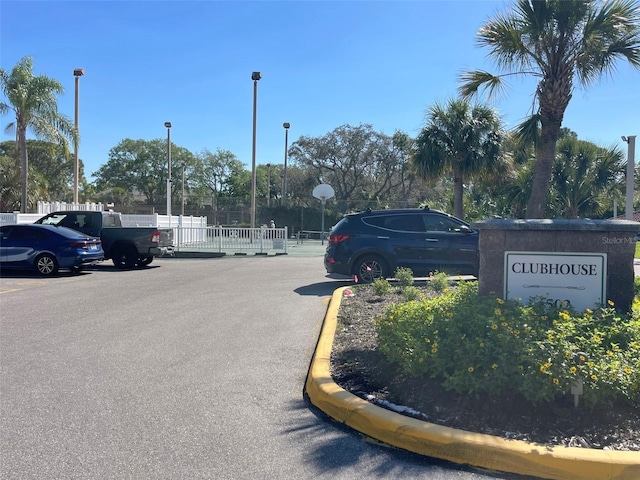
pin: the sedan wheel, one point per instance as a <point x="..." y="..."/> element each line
<point x="46" y="264"/>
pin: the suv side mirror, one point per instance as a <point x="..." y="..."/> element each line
<point x="462" y="229"/>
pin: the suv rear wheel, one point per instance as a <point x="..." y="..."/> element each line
<point x="370" y="267"/>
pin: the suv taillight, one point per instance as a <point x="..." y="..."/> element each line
<point x="155" y="237"/>
<point x="337" y="238"/>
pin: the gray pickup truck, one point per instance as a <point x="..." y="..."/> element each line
<point x="126" y="246"/>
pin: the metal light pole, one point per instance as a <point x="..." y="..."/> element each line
<point x="631" y="163"/>
<point x="77" y="73"/>
<point x="168" y="125"/>
<point x="286" y="126"/>
<point x="182" y="197"/>
<point x="268" y="185"/>
<point x="255" y="76"/>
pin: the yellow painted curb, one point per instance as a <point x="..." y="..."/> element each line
<point x="459" y="446"/>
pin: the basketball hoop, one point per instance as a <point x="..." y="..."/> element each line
<point x="322" y="192"/>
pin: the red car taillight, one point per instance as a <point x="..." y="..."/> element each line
<point x="338" y="238"/>
<point x="155" y="237"/>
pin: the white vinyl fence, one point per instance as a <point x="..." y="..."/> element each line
<point x="189" y="233"/>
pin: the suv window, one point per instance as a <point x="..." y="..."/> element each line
<point x="401" y="223"/>
<point x="440" y="223"/>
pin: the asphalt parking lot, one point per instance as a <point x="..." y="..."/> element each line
<point x="191" y="368"/>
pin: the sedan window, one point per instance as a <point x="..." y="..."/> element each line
<point x="28" y="234"/>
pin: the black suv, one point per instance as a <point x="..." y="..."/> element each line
<point x="372" y="244"/>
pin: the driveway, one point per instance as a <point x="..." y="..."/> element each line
<point x="189" y="369"/>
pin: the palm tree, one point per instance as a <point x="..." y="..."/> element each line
<point x="460" y="139"/>
<point x="585" y="178"/>
<point x="33" y="100"/>
<point x="557" y="41"/>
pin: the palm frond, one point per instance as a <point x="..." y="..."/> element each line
<point x="474" y="80"/>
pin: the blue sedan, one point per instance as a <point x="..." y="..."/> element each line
<point x="47" y="248"/>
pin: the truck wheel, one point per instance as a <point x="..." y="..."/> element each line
<point x="124" y="256"/>
<point x="46" y="265"/>
<point x="144" y="261"/>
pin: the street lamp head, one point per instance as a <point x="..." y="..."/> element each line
<point x="167" y="124"/>
<point x="625" y="139"/>
<point x="286" y="124"/>
<point x="256" y="76"/>
<point x="78" y="72"/>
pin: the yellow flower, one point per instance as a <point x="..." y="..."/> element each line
<point x="627" y="370"/>
<point x="556" y="381"/>
<point x="470" y="369"/>
<point x="597" y="339"/>
<point x="520" y="367"/>
<point x="500" y="301"/>
<point x="481" y="344"/>
<point x="573" y="369"/>
<point x="494" y="366"/>
<point x="594" y="377"/>
<point x="582" y="358"/>
<point x="494" y="327"/>
<point x="610" y="302"/>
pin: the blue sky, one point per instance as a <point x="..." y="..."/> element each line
<point x="324" y="64"/>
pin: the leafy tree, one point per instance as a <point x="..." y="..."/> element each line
<point x="9" y="184"/>
<point x="363" y="166"/>
<point x="211" y="176"/>
<point x="140" y="166"/>
<point x="461" y="139"/>
<point x="33" y="101"/>
<point x="558" y="42"/>
<point x="50" y="174"/>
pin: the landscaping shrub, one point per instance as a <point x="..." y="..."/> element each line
<point x="404" y="276"/>
<point x="411" y="293"/>
<point x="479" y="344"/>
<point x="381" y="286"/>
<point x="438" y="282"/>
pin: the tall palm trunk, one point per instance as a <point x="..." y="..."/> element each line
<point x="542" y="171"/>
<point x="458" y="191"/>
<point x="554" y="93"/>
